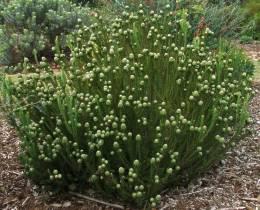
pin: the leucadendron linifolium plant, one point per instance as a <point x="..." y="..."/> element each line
<point x="137" y="108"/>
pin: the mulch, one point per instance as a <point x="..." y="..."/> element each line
<point x="252" y="50"/>
<point x="233" y="184"/>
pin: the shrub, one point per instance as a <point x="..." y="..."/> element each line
<point x="233" y="18"/>
<point x="84" y="2"/>
<point x="241" y="63"/>
<point x="252" y="8"/>
<point x="137" y="108"/>
<point x="30" y="27"/>
<point x="2" y="5"/>
<point x="227" y="20"/>
<point x="225" y="1"/>
<point x="244" y="39"/>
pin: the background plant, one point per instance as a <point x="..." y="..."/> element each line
<point x="29" y="28"/>
<point x="2" y="5"/>
<point x="226" y="1"/>
<point x="252" y="8"/>
<point x="227" y="19"/>
<point x="88" y="2"/>
<point x="241" y="62"/>
<point x="138" y="107"/>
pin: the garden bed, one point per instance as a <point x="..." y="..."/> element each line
<point x="233" y="184"/>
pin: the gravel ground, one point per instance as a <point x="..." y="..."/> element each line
<point x="252" y="50"/>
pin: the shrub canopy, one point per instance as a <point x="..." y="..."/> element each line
<point x="29" y="27"/>
<point x="138" y="107"/>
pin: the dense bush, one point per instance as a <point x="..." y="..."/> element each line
<point x="2" y="5"/>
<point x="252" y="8"/>
<point x="84" y="2"/>
<point x="241" y="18"/>
<point x="225" y="1"/>
<point x="227" y="20"/>
<point x="29" y="27"/>
<point x="137" y="108"/>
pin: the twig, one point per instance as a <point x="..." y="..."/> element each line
<point x="97" y="201"/>
<point x="14" y="172"/>
<point x="234" y="208"/>
<point x="165" y="191"/>
<point x="11" y="201"/>
<point x="195" y="192"/>
<point x="25" y="200"/>
<point x="250" y="199"/>
<point x="165" y="207"/>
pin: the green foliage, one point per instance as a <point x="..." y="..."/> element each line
<point x="29" y="27"/>
<point x="3" y="48"/>
<point x="84" y="2"/>
<point x="229" y="19"/>
<point x="225" y="20"/>
<point x="138" y="107"/>
<point x="245" y="39"/>
<point x="240" y="60"/>
<point x="1" y="8"/>
<point x="225" y="1"/>
<point x="252" y="8"/>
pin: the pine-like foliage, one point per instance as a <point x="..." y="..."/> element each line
<point x="29" y="27"/>
<point x="138" y="107"/>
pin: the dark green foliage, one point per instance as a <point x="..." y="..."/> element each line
<point x="138" y="107"/>
<point x="244" y="39"/>
<point x="252" y="8"/>
<point x="242" y="18"/>
<point x="3" y="4"/>
<point x="228" y="19"/>
<point x="86" y="2"/>
<point x="241" y="62"/>
<point x="30" y="27"/>
<point x="229" y="2"/>
<point x="225" y="20"/>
